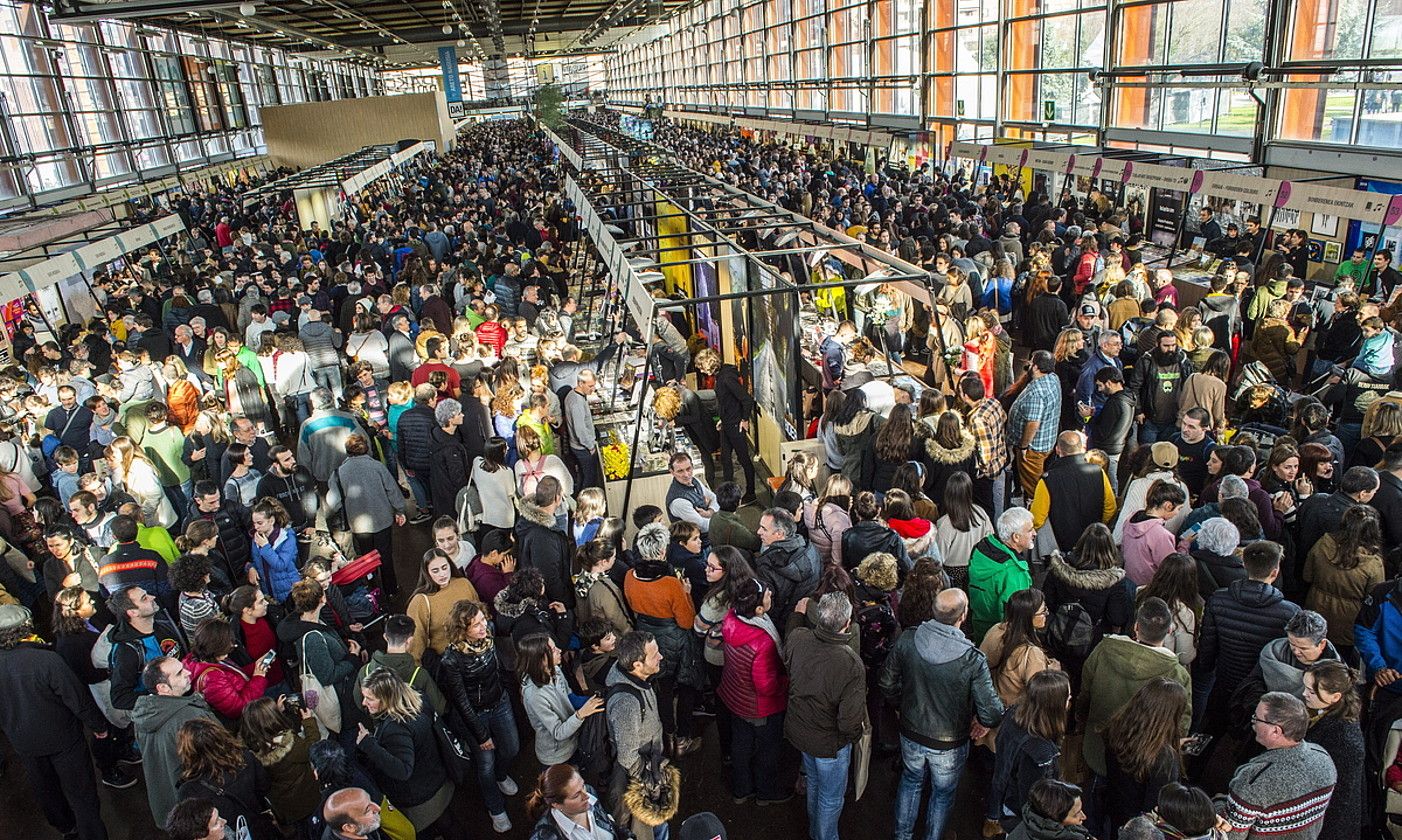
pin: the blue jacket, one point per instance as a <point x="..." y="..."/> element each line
<point x="276" y="563"/>
<point x="1085" y="383"/>
<point x="1377" y="632"/>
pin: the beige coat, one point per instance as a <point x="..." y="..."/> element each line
<point x="1012" y="670"/>
<point x="430" y="614"/>
<point x="1335" y="593"/>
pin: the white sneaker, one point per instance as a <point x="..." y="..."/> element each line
<point x="508" y="786"/>
<point x="501" y="823"/>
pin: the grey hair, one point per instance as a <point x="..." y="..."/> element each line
<point x="832" y="612"/>
<point x="1288" y="712"/>
<point x="783" y="521"/>
<point x="1307" y="624"/>
<point x="651" y="541"/>
<point x="321" y="399"/>
<point x="1013" y="520"/>
<point x="446" y="410"/>
<point x="1141" y="828"/>
<point x="1107" y="336"/>
<point x="1219" y="536"/>
<point x="1232" y="487"/>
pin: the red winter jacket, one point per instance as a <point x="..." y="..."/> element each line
<point x="753" y="683"/>
<point x="226" y="688"/>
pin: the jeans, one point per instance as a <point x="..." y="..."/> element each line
<point x="492" y="765"/>
<point x="418" y="485"/>
<point x="1112" y="470"/>
<point x="328" y="378"/>
<point x="754" y="754"/>
<point x="588" y="468"/>
<point x="1349" y="434"/>
<point x="944" y="767"/>
<point x="827" y="787"/>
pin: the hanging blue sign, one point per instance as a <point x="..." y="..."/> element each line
<point x="452" y="84"/>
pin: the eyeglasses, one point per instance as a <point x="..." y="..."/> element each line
<point x="1255" y="719"/>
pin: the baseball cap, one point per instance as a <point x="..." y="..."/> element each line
<point x="1164" y="454"/>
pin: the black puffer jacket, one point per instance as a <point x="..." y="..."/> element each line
<point x="414" y="439"/>
<point x="866" y="538"/>
<point x="404" y="760"/>
<point x="1104" y="593"/>
<point x="471" y="682"/>
<point x="451" y="469"/>
<point x="1237" y="623"/>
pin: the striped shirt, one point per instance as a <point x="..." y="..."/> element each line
<point x="1281" y="794"/>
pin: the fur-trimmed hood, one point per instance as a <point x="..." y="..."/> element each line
<point x="1094" y="579"/>
<point x="513" y="609"/>
<point x="962" y="453"/>
<point x="281" y="746"/>
<point x="532" y="512"/>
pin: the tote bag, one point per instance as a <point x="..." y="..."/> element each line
<point x="328" y="704"/>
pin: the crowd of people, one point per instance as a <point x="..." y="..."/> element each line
<point x="1112" y="551"/>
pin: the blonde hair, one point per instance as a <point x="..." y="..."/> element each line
<point x="399" y="393"/>
<point x="399" y="701"/>
<point x="708" y="361"/>
<point x="879" y="570"/>
<point x="667" y="402"/>
<point x="589" y="503"/>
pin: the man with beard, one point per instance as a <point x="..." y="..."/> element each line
<point x="1158" y="379"/>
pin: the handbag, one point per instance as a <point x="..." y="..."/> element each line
<point x="328" y="705"/>
<point x="393" y="823"/>
<point x="470" y="502"/>
<point x="456" y="755"/>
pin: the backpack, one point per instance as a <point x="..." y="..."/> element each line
<point x="876" y="623"/>
<point x="595" y="746"/>
<point x="1071" y="632"/>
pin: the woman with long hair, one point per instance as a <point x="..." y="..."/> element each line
<point x="1331" y="695"/>
<point x="962" y="526"/>
<point x="367" y="343"/>
<point x="75" y="634"/>
<point x="1176" y="582"/>
<point x="215" y="766"/>
<point x="1070" y="355"/>
<point x="855" y="428"/>
<point x="800" y="473"/>
<point x="441" y="585"/>
<point x="918" y="533"/>
<point x="949" y="452"/>
<point x="1143" y="748"/>
<point x="226" y="685"/>
<point x="470" y="676"/>
<point x="400" y="749"/>
<point x="1093" y="576"/>
<point x="596" y="595"/>
<point x="70" y="562"/>
<point x="505" y="409"/>
<point x="980" y="351"/>
<point x="561" y="799"/>
<point x="1028" y="746"/>
<point x="1015" y="647"/>
<point x="243" y="393"/>
<point x="496" y="486"/>
<point x="832" y="407"/>
<point x="533" y="465"/>
<point x="281" y="739"/>
<point x="754" y="688"/>
<point x="829" y="517"/>
<point x="1342" y="568"/>
<point x="924" y="581"/>
<point x="1382" y="427"/>
<point x="896" y="442"/>
<point x="545" y="695"/>
<point x="134" y="473"/>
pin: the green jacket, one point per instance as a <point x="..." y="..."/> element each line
<point x="1115" y="670"/>
<point x="995" y="573"/>
<point x="728" y="529"/>
<point x="408" y="670"/>
<point x="157" y="539"/>
<point x="1262" y="299"/>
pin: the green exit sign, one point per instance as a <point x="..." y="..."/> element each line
<point x="1048" y="110"/>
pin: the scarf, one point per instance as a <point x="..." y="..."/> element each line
<point x="584" y="581"/>
<point x="765" y="623"/>
<point x="477" y="648"/>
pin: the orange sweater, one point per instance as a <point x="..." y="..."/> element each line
<point x="661" y="598"/>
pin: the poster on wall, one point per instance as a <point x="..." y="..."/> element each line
<point x="1164" y="214"/>
<point x="772" y="339"/>
<point x="707" y="314"/>
<point x="1363" y="234"/>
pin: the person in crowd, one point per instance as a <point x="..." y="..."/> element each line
<point x="1014" y="646"/>
<point x="369" y="502"/>
<point x="1029" y="744"/>
<point x="399" y="634"/>
<point x="1119" y="667"/>
<point x="1073" y="492"/>
<point x="1331" y="696"/>
<point x="142" y="632"/>
<point x="1033" y="421"/>
<point x="319" y="651"/>
<point x="662" y="605"/>
<point x="961" y="527"/>
<point x="280" y="737"/>
<point x="1147" y="540"/>
<point x="226" y="687"/>
<point x="441" y="585"/>
<point x="945" y="693"/>
<point x="543" y="546"/>
<point x="400" y="750"/>
<point x="1143" y="749"/>
<point x="726" y="528"/>
<point x="635" y="724"/>
<point x="470" y="675"/>
<point x="546" y="697"/>
<point x="1287" y="788"/>
<point x="563" y="807"/>
<point x="869" y="534"/>
<point x="597" y="596"/>
<point x="754" y="689"/>
<point x="214" y="765"/>
<point x="997" y="569"/>
<point x="46" y="711"/>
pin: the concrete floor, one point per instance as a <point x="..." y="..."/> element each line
<point x="704" y="780"/>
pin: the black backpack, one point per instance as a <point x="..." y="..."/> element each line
<point x="1071" y="632"/>
<point x="877" y="625"/>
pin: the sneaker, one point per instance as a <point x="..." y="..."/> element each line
<point x="741" y="800"/>
<point x="420" y="518"/>
<point x="748" y="499"/>
<point x="780" y="801"/>
<point x="685" y="746"/>
<point x="118" y="778"/>
<point x="501" y="823"/>
<point x="133" y="756"/>
<point x="508" y="786"/>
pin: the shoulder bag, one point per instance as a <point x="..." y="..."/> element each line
<point x="327" y="707"/>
